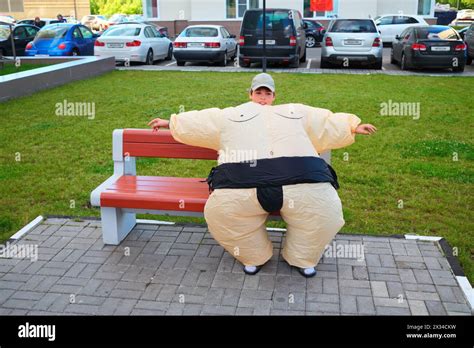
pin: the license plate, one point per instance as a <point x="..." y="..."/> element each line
<point x="115" y="45"/>
<point x="41" y="55"/>
<point x="351" y="42"/>
<point x="195" y="44"/>
<point x="359" y="59"/>
<point x="267" y="42"/>
<point x="440" y="48"/>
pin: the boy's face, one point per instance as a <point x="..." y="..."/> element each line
<point x="263" y="96"/>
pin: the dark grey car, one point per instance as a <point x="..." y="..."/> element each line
<point x="285" y="37"/>
<point x="434" y="46"/>
<point x="469" y="40"/>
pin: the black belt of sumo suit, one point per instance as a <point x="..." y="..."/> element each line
<point x="269" y="175"/>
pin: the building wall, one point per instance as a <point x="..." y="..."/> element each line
<point x="174" y="9"/>
<point x="208" y="10"/>
<point x="399" y="6"/>
<point x="214" y="11"/>
<point x="51" y="8"/>
<point x="357" y="9"/>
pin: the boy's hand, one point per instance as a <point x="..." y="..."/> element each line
<point x="366" y="129"/>
<point x="157" y="123"/>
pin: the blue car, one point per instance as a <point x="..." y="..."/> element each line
<point x="62" y="39"/>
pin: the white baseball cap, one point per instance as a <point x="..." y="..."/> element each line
<point x="263" y="80"/>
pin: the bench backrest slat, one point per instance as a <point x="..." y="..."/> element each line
<point x="146" y="143"/>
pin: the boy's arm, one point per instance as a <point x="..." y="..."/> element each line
<point x="197" y="128"/>
<point x="328" y="130"/>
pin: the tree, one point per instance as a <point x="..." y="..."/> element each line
<point x="110" y="7"/>
<point x="463" y="4"/>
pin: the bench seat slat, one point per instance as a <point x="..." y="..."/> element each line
<point x="152" y="202"/>
<point x="167" y="189"/>
<point x="159" y="182"/>
<point x="142" y="179"/>
<point x="157" y="193"/>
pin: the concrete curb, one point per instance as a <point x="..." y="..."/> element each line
<point x="27" y="228"/>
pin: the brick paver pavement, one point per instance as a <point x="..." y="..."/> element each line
<point x="181" y="270"/>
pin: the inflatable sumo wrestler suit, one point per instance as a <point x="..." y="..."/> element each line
<point x="282" y="172"/>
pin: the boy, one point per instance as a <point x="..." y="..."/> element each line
<point x="283" y="143"/>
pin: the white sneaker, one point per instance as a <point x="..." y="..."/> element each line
<point x="251" y="270"/>
<point x="307" y="272"/>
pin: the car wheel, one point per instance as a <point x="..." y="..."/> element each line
<point x="469" y="60"/>
<point x="403" y="62"/>
<point x="170" y="53"/>
<point x="296" y="62"/>
<point x="459" y="69"/>
<point x="303" y="58"/>
<point x="180" y="63"/>
<point x="392" y="58"/>
<point x="2" y="53"/>
<point x="324" y="64"/>
<point x="242" y="63"/>
<point x="310" y="41"/>
<point x="377" y="65"/>
<point x="149" y="58"/>
<point x="223" y="62"/>
<point x="75" y="52"/>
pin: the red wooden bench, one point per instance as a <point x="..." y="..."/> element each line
<point x="125" y="193"/>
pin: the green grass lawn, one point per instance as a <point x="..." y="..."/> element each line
<point x="63" y="158"/>
<point x="10" y="68"/>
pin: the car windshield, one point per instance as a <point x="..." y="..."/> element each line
<point x="199" y="32"/>
<point x="274" y="20"/>
<point x="353" y="26"/>
<point x="52" y="32"/>
<point x="436" y="33"/>
<point x="122" y="31"/>
<point x="4" y="32"/>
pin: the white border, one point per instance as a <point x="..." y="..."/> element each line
<point x="423" y="238"/>
<point x="467" y="290"/>
<point x="154" y="222"/>
<point x="27" y="228"/>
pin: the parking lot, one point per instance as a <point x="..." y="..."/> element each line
<point x="312" y="65"/>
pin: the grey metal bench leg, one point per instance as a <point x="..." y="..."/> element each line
<point x="116" y="224"/>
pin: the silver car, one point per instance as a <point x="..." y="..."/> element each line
<point x="349" y="41"/>
<point x="134" y="43"/>
<point x="205" y="43"/>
